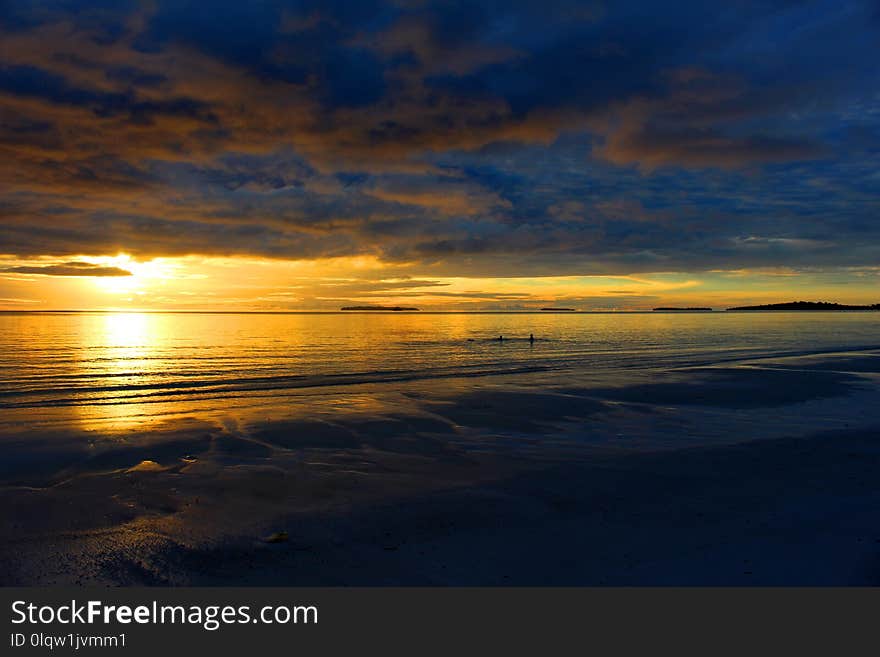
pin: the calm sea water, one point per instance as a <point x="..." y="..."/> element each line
<point x="94" y="361"/>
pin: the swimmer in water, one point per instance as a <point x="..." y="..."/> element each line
<point x="532" y="338"/>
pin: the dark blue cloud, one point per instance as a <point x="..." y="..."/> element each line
<point x="494" y="136"/>
<point x="29" y="81"/>
<point x="257" y="35"/>
<point x="32" y="81"/>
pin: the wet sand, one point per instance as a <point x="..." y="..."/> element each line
<point x="750" y="472"/>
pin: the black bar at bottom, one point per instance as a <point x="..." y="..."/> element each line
<point x="416" y="621"/>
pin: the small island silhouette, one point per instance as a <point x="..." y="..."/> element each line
<point x="671" y="309"/>
<point x="804" y="305"/>
<point x="558" y="310"/>
<point x="392" y="308"/>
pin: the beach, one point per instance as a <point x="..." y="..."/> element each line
<point x="642" y="450"/>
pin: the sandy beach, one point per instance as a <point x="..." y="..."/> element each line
<point x="748" y="472"/>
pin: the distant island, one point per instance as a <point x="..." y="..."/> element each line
<point x="392" y="308"/>
<point x="682" y="310"/>
<point x="804" y="305"/>
<point x="558" y="310"/>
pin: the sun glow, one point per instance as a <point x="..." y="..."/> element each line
<point x="144" y="274"/>
<point x="125" y="282"/>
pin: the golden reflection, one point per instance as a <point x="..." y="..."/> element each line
<point x="118" y="347"/>
<point x="126" y="334"/>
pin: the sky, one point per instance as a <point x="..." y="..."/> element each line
<point x="274" y="155"/>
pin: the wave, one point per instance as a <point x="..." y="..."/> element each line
<point x="208" y="389"/>
<point x="179" y="381"/>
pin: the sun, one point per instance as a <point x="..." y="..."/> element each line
<point x="144" y="275"/>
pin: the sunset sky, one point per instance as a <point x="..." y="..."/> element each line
<point x="270" y="155"/>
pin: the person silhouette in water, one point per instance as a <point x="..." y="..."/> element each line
<point x="532" y="338"/>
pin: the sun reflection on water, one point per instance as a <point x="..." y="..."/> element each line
<point x="118" y="351"/>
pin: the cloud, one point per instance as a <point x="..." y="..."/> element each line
<point x="491" y="138"/>
<point x="15" y="301"/>
<point x="654" y="146"/>
<point x="435" y="44"/>
<point x="73" y="268"/>
<point x="697" y="122"/>
<point x="450" y="196"/>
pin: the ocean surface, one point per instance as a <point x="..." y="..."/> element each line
<point x="127" y="360"/>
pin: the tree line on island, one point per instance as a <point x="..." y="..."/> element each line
<point x="791" y="305"/>
<point x="807" y="305"/>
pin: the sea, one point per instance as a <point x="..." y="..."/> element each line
<point x="123" y="367"/>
